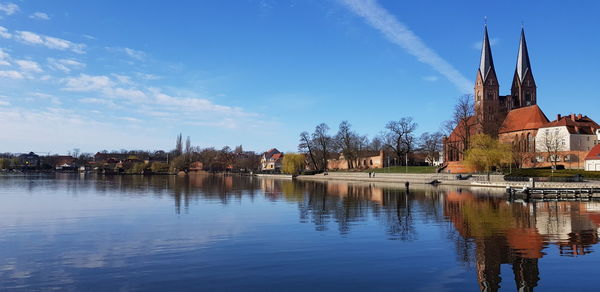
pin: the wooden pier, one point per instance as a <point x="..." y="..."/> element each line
<point x="566" y="194"/>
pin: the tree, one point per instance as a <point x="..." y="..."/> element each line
<point x="462" y="124"/>
<point x="551" y="142"/>
<point x="178" y="146"/>
<point x="293" y="163"/>
<point x="188" y="146"/>
<point x="323" y="144"/>
<point x="158" y="167"/>
<point x="400" y="136"/>
<point x="348" y="142"/>
<point x="431" y="144"/>
<point x="376" y="144"/>
<point x="486" y="153"/>
<point x="307" y="145"/>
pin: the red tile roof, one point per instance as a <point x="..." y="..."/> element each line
<point x="459" y="130"/>
<point x="525" y="118"/>
<point x="594" y="154"/>
<point x="575" y="124"/>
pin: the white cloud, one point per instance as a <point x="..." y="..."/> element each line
<point x="102" y="101"/>
<point x="4" y="33"/>
<point x="431" y="78"/>
<point x="65" y="65"/>
<point x="4" y="58"/>
<point x="138" y="55"/>
<point x="86" y="82"/>
<point x="146" y="76"/>
<point x="477" y="45"/>
<point x="4" y="103"/>
<point x="32" y="38"/>
<point x="40" y="16"/>
<point x="53" y="99"/>
<point x="401" y="35"/>
<point x="11" y="74"/>
<point x="29" y="66"/>
<point x="9" y="8"/>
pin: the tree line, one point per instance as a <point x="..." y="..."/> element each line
<point x="398" y="139"/>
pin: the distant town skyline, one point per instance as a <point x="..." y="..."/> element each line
<point x="132" y="75"/>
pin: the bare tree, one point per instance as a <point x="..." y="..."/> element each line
<point x="400" y="136"/>
<point x="551" y="142"/>
<point x="188" y="145"/>
<point x="323" y="144"/>
<point x="347" y="141"/>
<point x="376" y="144"/>
<point x="462" y="124"/>
<point x="431" y="144"/>
<point x="178" y="145"/>
<point x="307" y="145"/>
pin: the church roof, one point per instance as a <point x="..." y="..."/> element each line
<point x="523" y="63"/>
<point x="525" y="118"/>
<point x="460" y="130"/>
<point x="486" y="64"/>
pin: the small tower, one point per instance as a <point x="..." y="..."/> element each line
<point x="523" y="91"/>
<point x="486" y="86"/>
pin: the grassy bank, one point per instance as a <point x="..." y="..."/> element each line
<point x="404" y="169"/>
<point x="556" y="173"/>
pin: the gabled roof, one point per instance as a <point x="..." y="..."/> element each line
<point x="459" y="131"/>
<point x="525" y="118"/>
<point x="594" y="154"/>
<point x="576" y="124"/>
<point x="523" y="63"/>
<point x="276" y="156"/>
<point x="486" y="64"/>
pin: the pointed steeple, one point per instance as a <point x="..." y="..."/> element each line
<point x="523" y="64"/>
<point x="486" y="64"/>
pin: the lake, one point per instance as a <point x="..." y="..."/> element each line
<point x="236" y="233"/>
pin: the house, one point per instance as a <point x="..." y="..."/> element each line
<point x="592" y="159"/>
<point x="364" y="160"/>
<point x="567" y="140"/>
<point x="271" y="160"/>
<point x="29" y="160"/>
<point x="64" y="162"/>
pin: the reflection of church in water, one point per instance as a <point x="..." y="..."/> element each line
<point x="516" y="234"/>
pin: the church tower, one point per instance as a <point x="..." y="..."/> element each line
<point x="486" y="87"/>
<point x="523" y="91"/>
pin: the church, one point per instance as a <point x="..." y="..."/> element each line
<point x="516" y="119"/>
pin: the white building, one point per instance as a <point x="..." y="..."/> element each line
<point x="592" y="160"/>
<point x="568" y="133"/>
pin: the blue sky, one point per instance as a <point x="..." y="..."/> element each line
<point x="133" y="74"/>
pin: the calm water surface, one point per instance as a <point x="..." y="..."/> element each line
<point x="231" y="233"/>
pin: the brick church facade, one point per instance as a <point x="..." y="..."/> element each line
<point x="513" y="119"/>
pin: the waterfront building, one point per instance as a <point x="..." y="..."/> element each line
<point x="271" y="160"/>
<point x="516" y="119"/>
<point x="364" y="160"/>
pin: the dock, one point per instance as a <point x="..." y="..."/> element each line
<point x="553" y="193"/>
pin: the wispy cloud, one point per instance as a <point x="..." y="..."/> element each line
<point x="4" y="58"/>
<point x="431" y="78"/>
<point x="32" y="38"/>
<point x="132" y="53"/>
<point x="4" y="33"/>
<point x="29" y="66"/>
<point x="65" y="65"/>
<point x="401" y="35"/>
<point x="40" y="16"/>
<point x="9" y="8"/>
<point x="11" y="74"/>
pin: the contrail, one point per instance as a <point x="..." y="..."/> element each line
<point x="398" y="33"/>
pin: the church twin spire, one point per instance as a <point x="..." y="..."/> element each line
<point x="523" y="90"/>
<point x="486" y="65"/>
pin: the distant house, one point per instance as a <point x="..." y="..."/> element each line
<point x="365" y="160"/>
<point x="592" y="160"/>
<point x="271" y="160"/>
<point x="30" y="160"/>
<point x="65" y="162"/>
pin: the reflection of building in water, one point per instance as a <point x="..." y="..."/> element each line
<point x="517" y="233"/>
